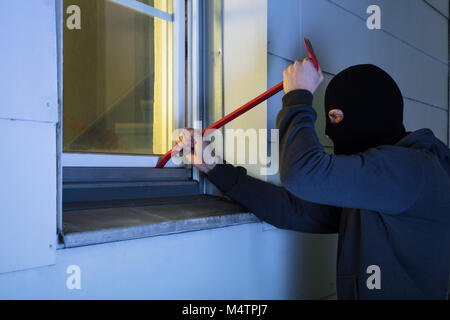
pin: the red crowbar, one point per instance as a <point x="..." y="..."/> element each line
<point x="246" y="107"/>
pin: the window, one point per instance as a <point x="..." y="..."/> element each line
<point x="134" y="72"/>
<point x="124" y="81"/>
<point x="123" y="93"/>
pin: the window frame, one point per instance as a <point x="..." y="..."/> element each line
<point x="115" y="188"/>
<point x="180" y="86"/>
<point x="187" y="83"/>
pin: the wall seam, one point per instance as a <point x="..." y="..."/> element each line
<point x="292" y="61"/>
<point x="392" y="35"/>
<point x="435" y="9"/>
<point x="28" y="120"/>
<point x="426" y="103"/>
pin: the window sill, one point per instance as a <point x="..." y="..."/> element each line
<point x="96" y="225"/>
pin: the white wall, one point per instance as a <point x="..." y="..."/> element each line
<point x="28" y="117"/>
<point x="245" y="65"/>
<point x="240" y="262"/>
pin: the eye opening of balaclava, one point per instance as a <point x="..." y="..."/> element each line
<point x="373" y="109"/>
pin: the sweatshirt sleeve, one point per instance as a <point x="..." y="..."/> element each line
<point x="386" y="179"/>
<point x="274" y="204"/>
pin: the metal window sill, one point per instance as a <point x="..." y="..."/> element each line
<point x="96" y="224"/>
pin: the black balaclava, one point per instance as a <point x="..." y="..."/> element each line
<point x="373" y="109"/>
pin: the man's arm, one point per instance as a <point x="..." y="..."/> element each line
<point x="387" y="179"/>
<point x="273" y="204"/>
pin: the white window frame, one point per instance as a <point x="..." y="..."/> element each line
<point x="179" y="88"/>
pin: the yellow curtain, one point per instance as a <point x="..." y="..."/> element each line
<point x="163" y="85"/>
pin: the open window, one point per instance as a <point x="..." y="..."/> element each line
<point x="131" y="74"/>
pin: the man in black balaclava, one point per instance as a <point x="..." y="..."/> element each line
<point x="373" y="110"/>
<point x="368" y="115"/>
<point x="385" y="192"/>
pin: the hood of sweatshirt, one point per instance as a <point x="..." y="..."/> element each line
<point x="424" y="139"/>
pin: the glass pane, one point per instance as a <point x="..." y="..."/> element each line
<point x="117" y="81"/>
<point x="163" y="5"/>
